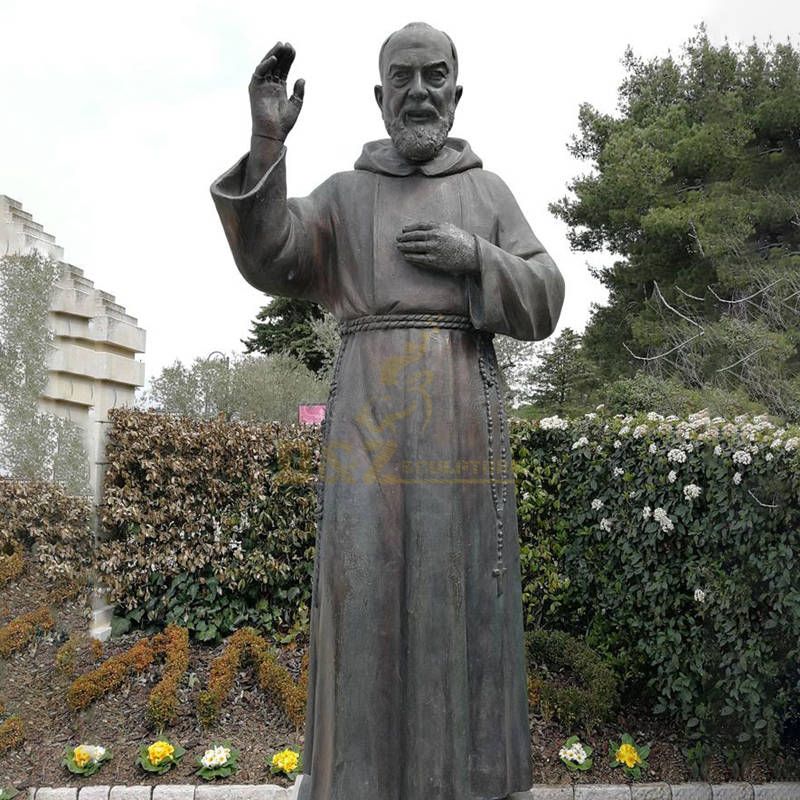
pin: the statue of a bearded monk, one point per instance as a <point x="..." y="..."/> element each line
<point x="417" y="681"/>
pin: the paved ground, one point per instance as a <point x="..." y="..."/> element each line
<point x="641" y="791"/>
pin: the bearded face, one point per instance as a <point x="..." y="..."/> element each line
<point x="419" y="141"/>
<point x="418" y="94"/>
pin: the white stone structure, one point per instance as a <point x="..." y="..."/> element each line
<point x="92" y="364"/>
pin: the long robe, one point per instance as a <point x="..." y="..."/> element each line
<point x="417" y="678"/>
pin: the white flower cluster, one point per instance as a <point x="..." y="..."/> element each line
<point x="646" y="513"/>
<point x="574" y="753"/>
<point x="742" y="457"/>
<point x="737" y="478"/>
<point x="215" y="757"/>
<point x="553" y="423"/>
<point x="639" y="431"/>
<point x="792" y="444"/>
<point x="582" y="442"/>
<point x="692" y="491"/>
<point x="677" y="456"/>
<point x="652" y="449"/>
<point x="597" y="504"/>
<point x="672" y="476"/>
<point x="718" y="450"/>
<point x="699" y="595"/>
<point x="654" y="416"/>
<point x="662" y="518"/>
<point x="618" y="472"/>
<point x="605" y="524"/>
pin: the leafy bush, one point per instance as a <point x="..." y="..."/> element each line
<point x="550" y="654"/>
<point x="44" y="519"/>
<point x="210" y="524"/>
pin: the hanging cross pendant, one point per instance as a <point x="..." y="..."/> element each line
<point x="499" y="573"/>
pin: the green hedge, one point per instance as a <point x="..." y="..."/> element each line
<point x="690" y="592"/>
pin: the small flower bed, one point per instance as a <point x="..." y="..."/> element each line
<point x="627" y="755"/>
<point x="160" y="756"/>
<point x="219" y="761"/>
<point x="86" y="759"/>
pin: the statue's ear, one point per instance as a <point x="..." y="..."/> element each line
<point x="459" y="90"/>
<point x="379" y="96"/>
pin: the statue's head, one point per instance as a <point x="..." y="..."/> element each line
<point x="418" y="94"/>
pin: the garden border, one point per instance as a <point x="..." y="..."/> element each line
<point x="580" y="791"/>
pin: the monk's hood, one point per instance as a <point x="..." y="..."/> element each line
<point x="381" y="157"/>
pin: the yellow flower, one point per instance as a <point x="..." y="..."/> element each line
<point x="159" y="752"/>
<point x="286" y="760"/>
<point x="81" y="756"/>
<point x="628" y="755"/>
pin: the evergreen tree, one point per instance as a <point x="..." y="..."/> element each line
<point x="562" y="380"/>
<point x="286" y="326"/>
<point x="695" y="187"/>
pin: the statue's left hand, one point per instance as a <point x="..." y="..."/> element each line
<point x="439" y="246"/>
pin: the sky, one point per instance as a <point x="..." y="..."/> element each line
<point x="116" y="117"/>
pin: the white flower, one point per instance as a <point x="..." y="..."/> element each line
<point x="768" y="456"/>
<point x="215" y="757"/>
<point x="575" y="753"/>
<point x="662" y="518"/>
<point x="654" y="416"/>
<point x="699" y="595"/>
<point x="792" y="444"/>
<point x="617" y="444"/>
<point x="742" y="457"/>
<point x="652" y="449"/>
<point x="582" y="442"/>
<point x="691" y="491"/>
<point x="678" y="456"/>
<point x="624" y="429"/>
<point x="639" y="431"/>
<point x="600" y="407"/>
<point x="605" y="524"/>
<point x="737" y="478"/>
<point x="776" y="443"/>
<point x="718" y="450"/>
<point x="618" y="472"/>
<point x="672" y="476"/>
<point x="646" y="513"/>
<point x="690" y="448"/>
<point x="590" y="415"/>
<point x="597" y="504"/>
<point x="553" y="423"/>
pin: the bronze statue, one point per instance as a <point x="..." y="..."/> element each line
<point x="417" y="680"/>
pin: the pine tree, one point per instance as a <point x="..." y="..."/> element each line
<point x="695" y="187"/>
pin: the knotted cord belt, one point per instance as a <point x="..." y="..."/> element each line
<point x="390" y="321"/>
<point x="487" y="365"/>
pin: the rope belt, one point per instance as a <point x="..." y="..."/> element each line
<point x="390" y="321"/>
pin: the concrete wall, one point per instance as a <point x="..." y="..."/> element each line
<point x="92" y="365"/>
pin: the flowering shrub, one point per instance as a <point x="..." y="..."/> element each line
<point x="85" y="759"/>
<point x="680" y="540"/>
<point x="219" y="761"/>
<point x="211" y="524"/>
<point x="288" y="762"/>
<point x="160" y="756"/>
<point x="627" y="755"/>
<point x="575" y="755"/>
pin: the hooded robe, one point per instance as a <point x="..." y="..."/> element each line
<point x="417" y="678"/>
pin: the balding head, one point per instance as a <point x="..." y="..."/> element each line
<point x="413" y="34"/>
<point x="418" y="93"/>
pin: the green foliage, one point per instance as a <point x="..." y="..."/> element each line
<point x="247" y="388"/>
<point x="695" y="185"/>
<point x="561" y="381"/>
<point x="33" y="445"/>
<point x="638" y="542"/>
<point x="558" y="662"/>
<point x="287" y="326"/>
<point x="210" y="524"/>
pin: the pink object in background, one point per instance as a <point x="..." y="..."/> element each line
<point x="311" y="414"/>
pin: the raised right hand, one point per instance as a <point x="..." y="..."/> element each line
<point x="273" y="114"/>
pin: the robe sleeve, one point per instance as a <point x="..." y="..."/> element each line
<point x="282" y="247"/>
<point x="519" y="291"/>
